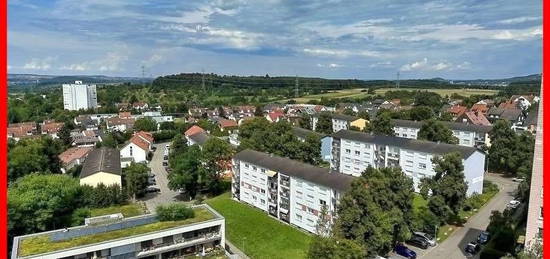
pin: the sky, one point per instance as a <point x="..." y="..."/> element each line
<point x="374" y="39"/>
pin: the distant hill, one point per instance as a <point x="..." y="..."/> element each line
<point x="500" y="82"/>
<point x="26" y="81"/>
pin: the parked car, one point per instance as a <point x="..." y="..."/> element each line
<point x="164" y="163"/>
<point x="483" y="237"/>
<point x="154" y="148"/>
<point x="472" y="248"/>
<point x="427" y="237"/>
<point x="518" y="179"/>
<point x="404" y="251"/>
<point x="151" y="175"/>
<point x="513" y="204"/>
<point x="165" y="158"/>
<point x="152" y="181"/>
<point x="418" y="242"/>
<point x="152" y="189"/>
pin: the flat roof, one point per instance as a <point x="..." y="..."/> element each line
<point x="451" y="125"/>
<point x="287" y="166"/>
<point x="405" y="143"/>
<point x="42" y="243"/>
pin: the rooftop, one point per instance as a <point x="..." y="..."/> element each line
<point x="193" y="130"/>
<point x="303" y="133"/>
<point x="411" y="144"/>
<point x="451" y="125"/>
<point x="74" y="153"/>
<point x="200" y="138"/>
<point x="71" y="238"/>
<point x="102" y="160"/>
<point x="322" y="176"/>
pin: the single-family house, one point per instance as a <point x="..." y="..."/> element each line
<point x="73" y="156"/>
<point x="137" y="149"/>
<point x="102" y="166"/>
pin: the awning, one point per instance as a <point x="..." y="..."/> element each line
<point x="270" y="173"/>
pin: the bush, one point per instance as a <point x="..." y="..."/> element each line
<point x="174" y="211"/>
<point x="78" y="216"/>
<point x="164" y="135"/>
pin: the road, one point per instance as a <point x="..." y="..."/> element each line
<point x="152" y="200"/>
<point x="453" y="246"/>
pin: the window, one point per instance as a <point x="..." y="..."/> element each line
<point x="357" y="153"/>
<point x="263" y="170"/>
<point x="262" y="190"/>
<point x="254" y="168"/>
<point x="348" y="151"/>
<point x="322" y="202"/>
<point x="422" y="165"/>
<point x="131" y="151"/>
<point x="263" y="201"/>
<point x="298" y="217"/>
<point x="245" y="165"/>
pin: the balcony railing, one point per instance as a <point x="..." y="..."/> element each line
<point x="179" y="242"/>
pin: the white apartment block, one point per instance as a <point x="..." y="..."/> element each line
<point x="353" y="152"/>
<point x="339" y="121"/>
<point x="79" y="96"/>
<point x="185" y="240"/>
<point x="469" y="135"/>
<point x="291" y="191"/>
<point x="534" y="226"/>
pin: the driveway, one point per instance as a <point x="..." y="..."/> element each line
<point x="152" y="200"/>
<point x="453" y="246"/>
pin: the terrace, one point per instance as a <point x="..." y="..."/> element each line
<point x="81" y="236"/>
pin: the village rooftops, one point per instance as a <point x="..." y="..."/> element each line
<point x="102" y="160"/>
<point x="451" y="125"/>
<point x="199" y="138"/>
<point x="42" y="244"/>
<point x="405" y="143"/>
<point x="318" y="175"/>
<point x="338" y="116"/>
<point x="74" y="153"/>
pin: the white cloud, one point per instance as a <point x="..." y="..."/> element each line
<point x="382" y="64"/>
<point x="111" y="62"/>
<point x="330" y="65"/>
<point x="9" y="67"/>
<point x="456" y="32"/>
<point x="521" y="19"/>
<point x="341" y="53"/>
<point x="39" y="64"/>
<point x="425" y="65"/>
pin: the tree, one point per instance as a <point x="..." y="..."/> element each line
<point x="34" y="155"/>
<point x="173" y="212"/>
<point x="305" y="121"/>
<point x="258" y="112"/>
<point x="186" y="171"/>
<point x="335" y="248"/>
<point x="167" y="125"/>
<point x="436" y="131"/>
<point x="349" y="111"/>
<point x="41" y="202"/>
<point x="421" y="113"/>
<point x="445" y="116"/>
<point x="109" y="141"/>
<point x="216" y="155"/>
<point x="381" y="125"/>
<point x="324" y="223"/>
<point x="178" y="146"/>
<point x="448" y="187"/>
<point x="429" y="99"/>
<point x="363" y="115"/>
<point x="145" y="124"/>
<point x="65" y="135"/>
<point x="379" y="215"/>
<point x="324" y="123"/>
<point x="221" y="112"/>
<point x="135" y="179"/>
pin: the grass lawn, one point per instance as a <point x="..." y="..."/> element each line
<point x="129" y="210"/>
<point x="42" y="243"/>
<point x="443" y="92"/>
<point x="258" y="235"/>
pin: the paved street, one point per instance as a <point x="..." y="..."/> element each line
<point x="453" y="246"/>
<point x="152" y="200"/>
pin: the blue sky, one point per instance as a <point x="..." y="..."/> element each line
<point x="455" y="39"/>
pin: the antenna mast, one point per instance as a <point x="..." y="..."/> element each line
<point x="296" y="87"/>
<point x="397" y="82"/>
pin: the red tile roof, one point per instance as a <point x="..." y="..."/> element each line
<point x="140" y="142"/>
<point x="51" y="127"/>
<point x="21" y="129"/>
<point x="275" y="115"/>
<point x="508" y="105"/>
<point x="193" y="130"/>
<point x="227" y="123"/>
<point x="457" y="110"/>
<point x="74" y="153"/>
<point x="478" y="107"/>
<point x="476" y="118"/>
<point x="147" y="136"/>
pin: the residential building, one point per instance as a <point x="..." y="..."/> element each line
<point x="354" y="151"/>
<point x="534" y="228"/>
<point x="291" y="191"/>
<point x="275" y="116"/>
<point x="196" y="135"/>
<point x="140" y="106"/>
<point x="86" y="122"/>
<point x="120" y="124"/>
<point x="51" y="128"/>
<point x="21" y="130"/>
<point x="326" y="141"/>
<point x="79" y="96"/>
<point x="102" y="166"/>
<point x="74" y="156"/>
<point x="469" y="135"/>
<point x="471" y="117"/>
<point x="341" y="122"/>
<point x="456" y="110"/>
<point x="479" y="107"/>
<point x="195" y="237"/>
<point x="227" y="125"/>
<point x="513" y="115"/>
<point x="531" y="121"/>
<point x="82" y="140"/>
<point x="137" y="149"/>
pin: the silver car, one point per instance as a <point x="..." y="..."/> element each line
<point x="426" y="237"/>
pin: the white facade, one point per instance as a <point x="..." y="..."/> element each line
<point x="79" y="96"/>
<point x="135" y="152"/>
<point x="284" y="196"/>
<point x="466" y="137"/>
<point x="353" y="155"/>
<point x="338" y="124"/>
<point x="166" y="243"/>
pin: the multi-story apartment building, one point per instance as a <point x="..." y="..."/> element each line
<point x="291" y="191"/>
<point x="353" y="152"/>
<point x="340" y="122"/>
<point x="79" y="96"/>
<point x="469" y="135"/>
<point x="113" y="236"/>
<point x="534" y="213"/>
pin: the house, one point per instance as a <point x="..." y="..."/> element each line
<point x="514" y="116"/>
<point x="341" y="121"/>
<point x="227" y="125"/>
<point x="201" y="236"/>
<point x="272" y="107"/>
<point x="137" y="149"/>
<point x="196" y="135"/>
<point x="123" y="106"/>
<point x="50" y="127"/>
<point x="456" y="110"/>
<point x="21" y="130"/>
<point x="480" y="108"/>
<point x="124" y="115"/>
<point x="275" y="116"/>
<point x="523" y="102"/>
<point x="530" y="122"/>
<point x="289" y="190"/>
<point x="326" y="141"/>
<point x="73" y="156"/>
<point x="86" y="122"/>
<point x="102" y="166"/>
<point x="469" y="135"/>
<point x="120" y="124"/>
<point x="476" y="118"/>
<point x="354" y="151"/>
<point x="140" y="106"/>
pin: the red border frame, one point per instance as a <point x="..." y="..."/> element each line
<point x="3" y="119"/>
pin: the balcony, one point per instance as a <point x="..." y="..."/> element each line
<point x="178" y="244"/>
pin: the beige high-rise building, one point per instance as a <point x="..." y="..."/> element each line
<point x="534" y="215"/>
